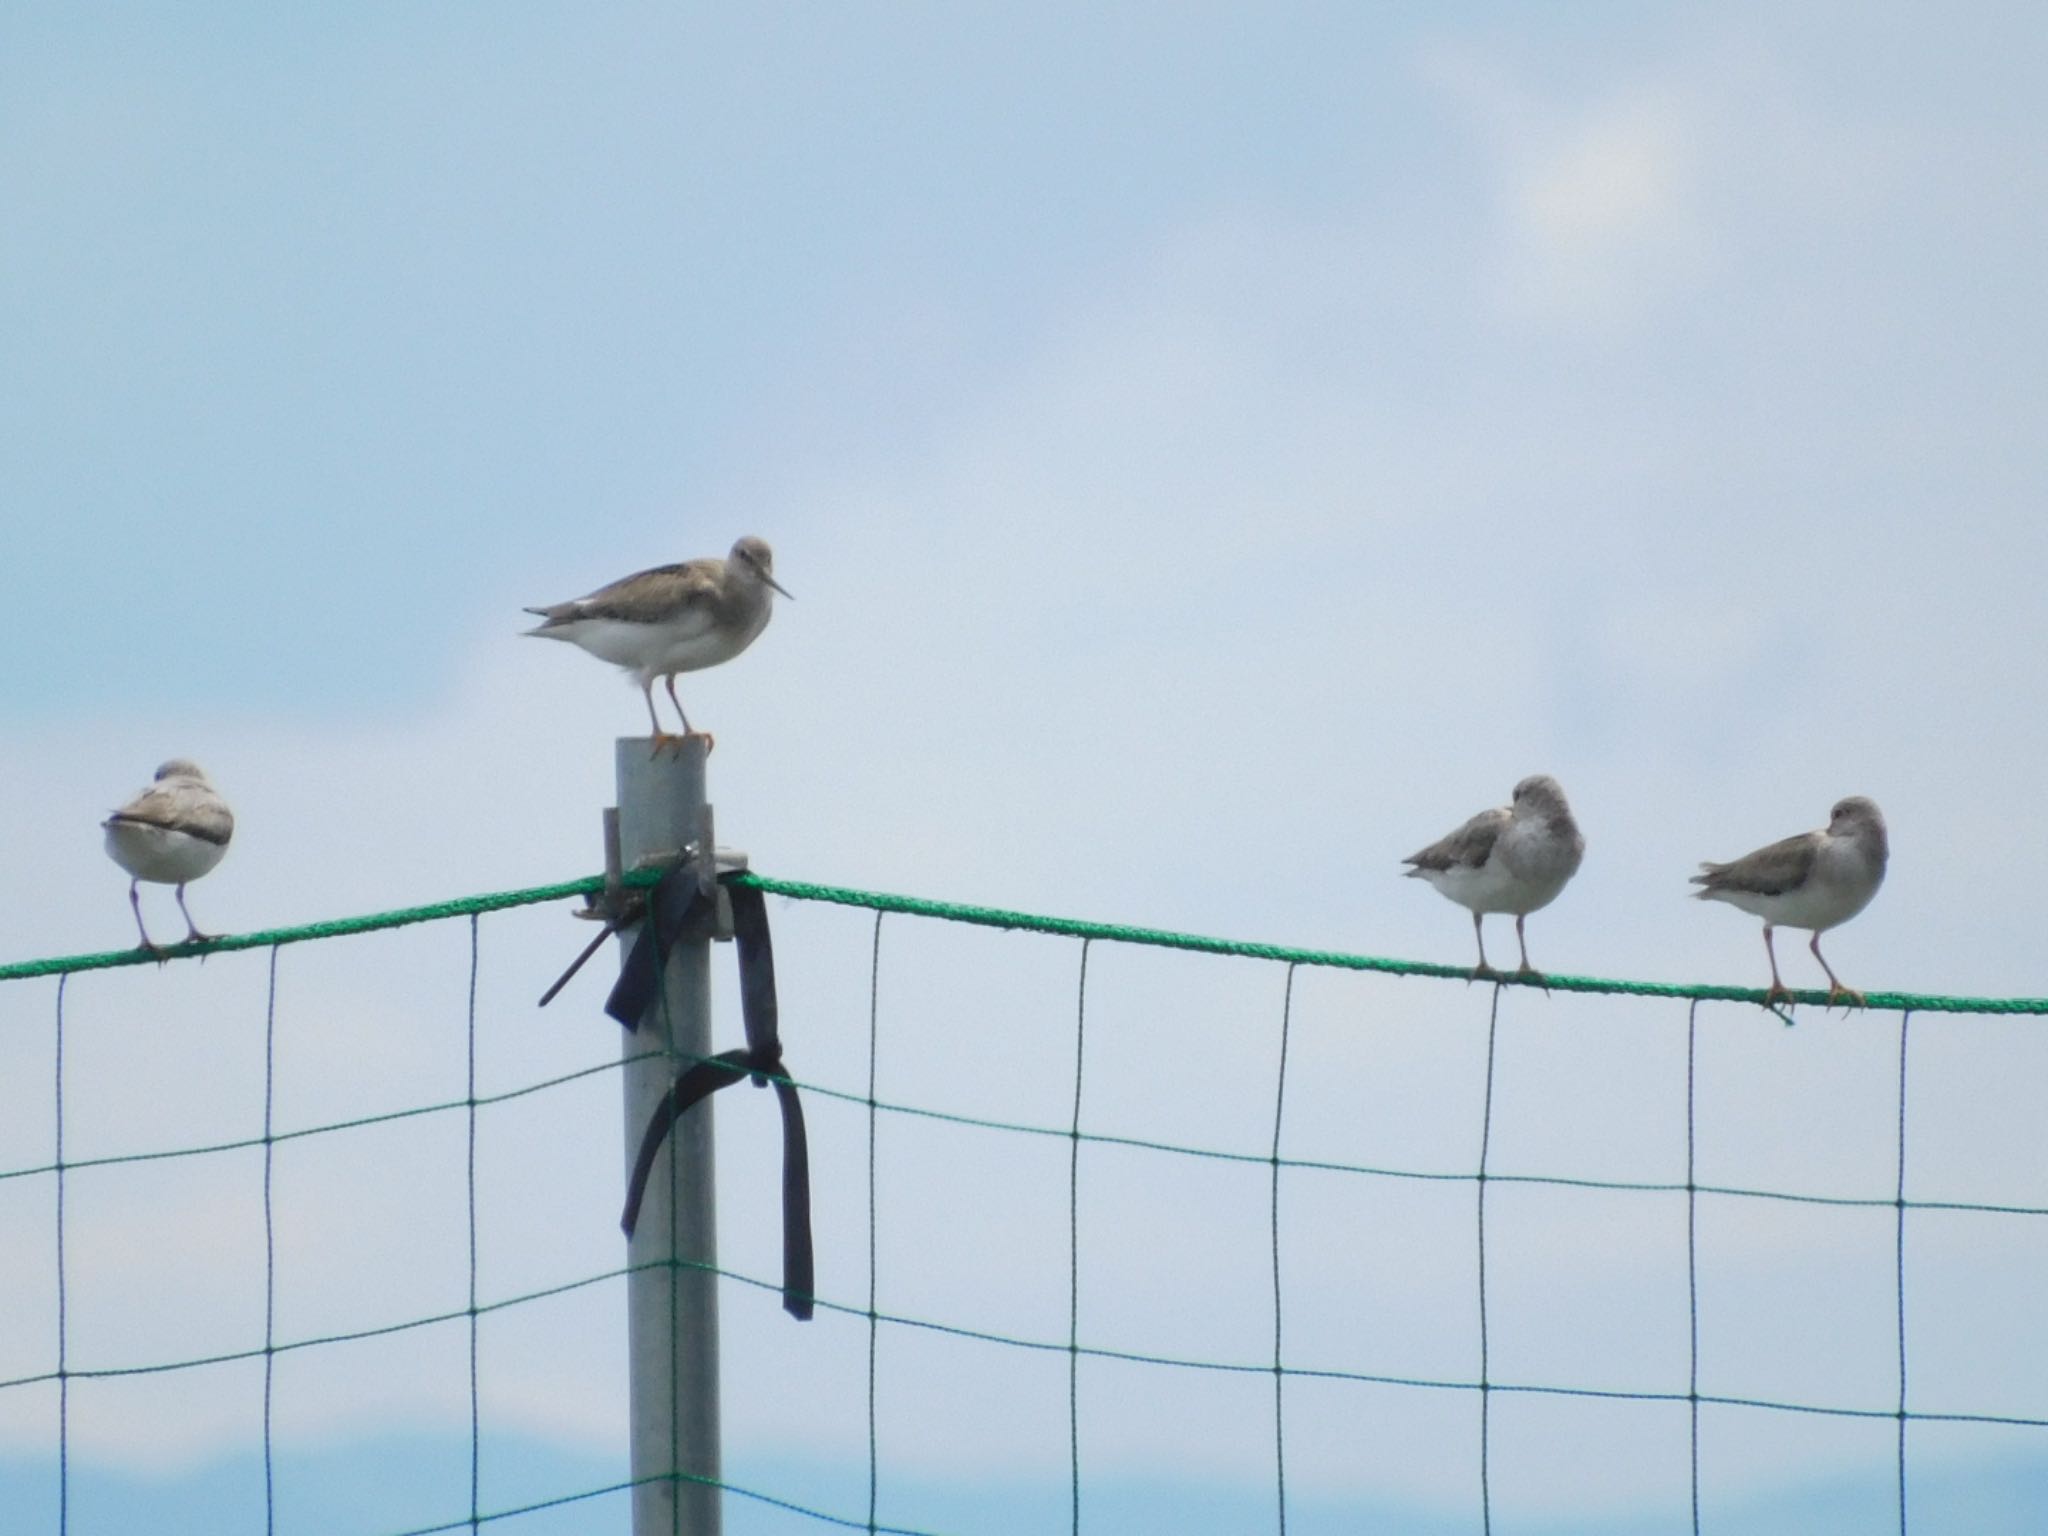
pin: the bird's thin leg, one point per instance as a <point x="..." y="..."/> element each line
<point x="192" y="934"/>
<point x="1528" y="972"/>
<point x="1836" y="991"/>
<point x="670" y="680"/>
<point x="661" y="737"/>
<point x="1483" y="970"/>
<point x="1777" y="994"/>
<point x="135" y="903"/>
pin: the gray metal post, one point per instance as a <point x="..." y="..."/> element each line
<point x="672" y="1311"/>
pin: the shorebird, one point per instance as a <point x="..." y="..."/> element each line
<point x="1817" y="880"/>
<point x="171" y="833"/>
<point x="1515" y="858"/>
<point x="674" y="618"/>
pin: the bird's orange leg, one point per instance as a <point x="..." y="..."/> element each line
<point x="1777" y="993"/>
<point x="661" y="737"/>
<point x="1836" y="991"/>
<point x="670" y="683"/>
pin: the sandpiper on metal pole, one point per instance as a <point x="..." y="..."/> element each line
<point x="672" y="1307"/>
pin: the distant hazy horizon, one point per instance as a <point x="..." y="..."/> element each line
<point x="380" y="1486"/>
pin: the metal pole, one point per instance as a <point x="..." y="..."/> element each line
<point x="672" y="1309"/>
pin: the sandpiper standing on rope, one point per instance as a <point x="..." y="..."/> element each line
<point x="170" y="834"/>
<point x="1815" y="880"/>
<point x="1514" y="858"/>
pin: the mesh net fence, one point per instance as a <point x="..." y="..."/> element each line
<point x="1309" y="1291"/>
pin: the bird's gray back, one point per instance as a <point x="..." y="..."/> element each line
<point x="181" y="805"/>
<point x="1771" y="871"/>
<point x="652" y="596"/>
<point x="1467" y="848"/>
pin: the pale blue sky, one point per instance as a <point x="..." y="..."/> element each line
<point x="378" y="318"/>
<point x="489" y="277"/>
<point x="1215" y="448"/>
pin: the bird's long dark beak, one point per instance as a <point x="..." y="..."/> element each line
<point x="778" y="586"/>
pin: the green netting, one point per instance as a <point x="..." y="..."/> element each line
<point x="1277" y="1366"/>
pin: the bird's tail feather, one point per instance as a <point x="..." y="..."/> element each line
<point x="553" y="621"/>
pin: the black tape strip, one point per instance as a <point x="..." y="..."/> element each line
<point x="762" y="1060"/>
<point x="758" y="1011"/>
<point x="799" y="1284"/>
<point x="699" y="1083"/>
<point x="675" y="905"/>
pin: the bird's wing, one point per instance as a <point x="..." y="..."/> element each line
<point x="1771" y="871"/>
<point x="1466" y="848"/>
<point x="181" y="807"/>
<point x="659" y="596"/>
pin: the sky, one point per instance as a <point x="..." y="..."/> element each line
<point x="1214" y="449"/>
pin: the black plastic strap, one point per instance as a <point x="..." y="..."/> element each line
<point x="676" y="905"/>
<point x="762" y="1060"/>
<point x="799" y="1283"/>
<point x="699" y="1082"/>
<point x="759" y="1016"/>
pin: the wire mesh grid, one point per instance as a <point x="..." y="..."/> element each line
<point x="1289" y="1374"/>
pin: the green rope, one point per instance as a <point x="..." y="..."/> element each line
<point x="1076" y="928"/>
<point x="995" y="917"/>
<point x="334" y="928"/>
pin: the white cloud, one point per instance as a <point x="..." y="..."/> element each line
<point x="1597" y="203"/>
<point x="1607" y="209"/>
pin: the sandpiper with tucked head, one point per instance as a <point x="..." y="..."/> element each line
<point x="172" y="833"/>
<point x="674" y="618"/>
<point x="1816" y="880"/>
<point x="1515" y="858"/>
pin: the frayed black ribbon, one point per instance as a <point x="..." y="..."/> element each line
<point x="639" y="981"/>
<point x="677" y="905"/>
